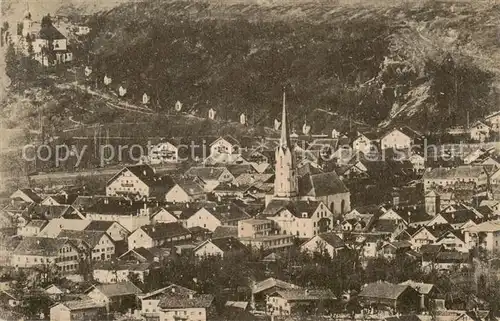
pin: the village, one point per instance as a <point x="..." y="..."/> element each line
<point x="302" y="225"/>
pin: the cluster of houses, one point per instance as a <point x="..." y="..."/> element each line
<point x="239" y="201"/>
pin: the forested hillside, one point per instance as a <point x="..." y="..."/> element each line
<point x="424" y="62"/>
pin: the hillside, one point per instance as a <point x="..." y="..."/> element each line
<point x="378" y="64"/>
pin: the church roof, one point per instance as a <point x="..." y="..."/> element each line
<point x="322" y="184"/>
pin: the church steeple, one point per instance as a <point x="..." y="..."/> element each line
<point x="285" y="135"/>
<point x="285" y="182"/>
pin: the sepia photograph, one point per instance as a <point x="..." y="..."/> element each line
<point x="253" y="160"/>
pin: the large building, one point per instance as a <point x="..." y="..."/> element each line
<point x="322" y="193"/>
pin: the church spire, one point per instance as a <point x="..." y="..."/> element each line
<point x="285" y="137"/>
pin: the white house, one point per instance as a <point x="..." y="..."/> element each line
<point x="82" y="30"/>
<point x="160" y="234"/>
<point x="77" y="310"/>
<point x="185" y="191"/>
<point x="225" y="145"/>
<point x="328" y="242"/>
<point x="479" y="131"/>
<point x="138" y="181"/>
<point x="97" y="245"/>
<point x="453" y="240"/>
<point x="220" y="247"/>
<point x="164" y="152"/>
<point x="212" y="217"/>
<point x="113" y="272"/>
<point x="399" y="138"/>
<point x="363" y="143"/>
<point x="113" y="295"/>
<point x="303" y="219"/>
<point x="163" y="216"/>
<point x="57" y="48"/>
<point x="485" y="235"/>
<point x="114" y="229"/>
<point x="210" y="177"/>
<point x="32" y="228"/>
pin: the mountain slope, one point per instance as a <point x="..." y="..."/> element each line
<point x="378" y="64"/>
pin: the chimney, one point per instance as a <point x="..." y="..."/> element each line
<point x="173" y="289"/>
<point x="191" y="296"/>
<point x="145" y="206"/>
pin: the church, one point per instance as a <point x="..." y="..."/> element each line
<point x="305" y="201"/>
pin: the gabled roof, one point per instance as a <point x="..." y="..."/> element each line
<point x="117" y="289"/>
<point x="41" y="246"/>
<point x="322" y="184"/>
<point x="147" y="175"/>
<point x="100" y="225"/>
<point x="385" y="226"/>
<point x="76" y="305"/>
<point x="225" y="231"/>
<point x="228" y="213"/>
<point x="297" y="208"/>
<point x="37" y="223"/>
<point x="458" y="234"/>
<point x="121" y="265"/>
<point x="147" y="254"/>
<point x="178" y="301"/>
<point x="271" y="283"/>
<point x="205" y="173"/>
<point x="332" y="239"/>
<point x="460" y="172"/>
<point x="48" y="212"/>
<point x="383" y="290"/>
<point x="91" y="238"/>
<point x="166" y="291"/>
<point x="31" y="194"/>
<point x="460" y="216"/>
<point x="50" y="33"/>
<point x="226" y="244"/>
<point x="161" y="231"/>
<point x="228" y="138"/>
<point x="190" y="187"/>
<point x="306" y="294"/>
<point x="422" y="288"/>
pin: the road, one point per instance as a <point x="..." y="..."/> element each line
<point x="107" y="171"/>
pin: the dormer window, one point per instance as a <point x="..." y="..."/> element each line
<point x="304" y="215"/>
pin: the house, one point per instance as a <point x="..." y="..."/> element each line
<point x="225" y="145"/>
<point x="53" y="290"/>
<point x="37" y="251"/>
<point x="129" y="214"/>
<point x="268" y="242"/>
<point x="209" y="177"/>
<point x="32" y="228"/>
<point x="186" y="306"/>
<point x="82" y="30"/>
<point x="225" y="231"/>
<point x="447" y="261"/>
<point x="116" y="296"/>
<point x="292" y="301"/>
<point x="458" y="216"/>
<point x="303" y="219"/>
<point x="139" y="181"/>
<point x="162" y="215"/>
<point x="220" y="247"/>
<point x="485" y="235"/>
<point x="212" y="217"/>
<point x="254" y="227"/>
<point x="26" y="195"/>
<point x="56" y="225"/>
<point x="390" y="250"/>
<point x="453" y="240"/>
<point x="428" y="234"/>
<point x="401" y="298"/>
<point x="390" y="228"/>
<point x="97" y="245"/>
<point x="363" y="142"/>
<point x="143" y="255"/>
<point x="479" y="131"/>
<point x="418" y="162"/>
<point x="262" y="289"/>
<point x="50" y="46"/>
<point x="164" y="152"/>
<point x="9" y="300"/>
<point x="77" y="310"/>
<point x="150" y="303"/>
<point x="428" y="292"/>
<point x="185" y="191"/>
<point x="119" y="271"/>
<point x="328" y="242"/>
<point x="454" y="177"/>
<point x="114" y="229"/>
<point x="157" y="235"/>
<point x="400" y="138"/>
